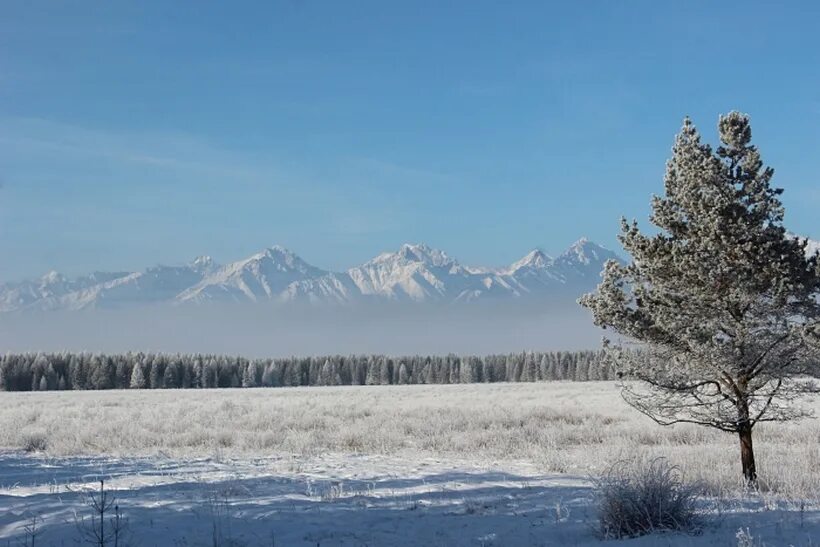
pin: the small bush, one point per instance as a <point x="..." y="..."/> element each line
<point x="641" y="497"/>
<point x="34" y="441"/>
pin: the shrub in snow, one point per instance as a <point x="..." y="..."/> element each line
<point x="34" y="441"/>
<point x="640" y="497"/>
<point x="744" y="538"/>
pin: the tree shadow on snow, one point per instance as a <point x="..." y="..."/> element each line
<point x="207" y="503"/>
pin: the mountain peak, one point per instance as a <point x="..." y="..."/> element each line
<point x="415" y="253"/>
<point x="423" y="253"/>
<point x="585" y="251"/>
<point x="52" y="277"/>
<point x="534" y="259"/>
<point x="202" y="263"/>
<point x="277" y="250"/>
<point x="278" y="258"/>
<point x="276" y="254"/>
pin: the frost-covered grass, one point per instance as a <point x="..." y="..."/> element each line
<point x="486" y="464"/>
<point x="561" y="427"/>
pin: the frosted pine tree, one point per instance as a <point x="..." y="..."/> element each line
<point x="467" y="371"/>
<point x="529" y="372"/>
<point x="326" y="374"/>
<point x="121" y="376"/>
<point x="384" y="371"/>
<point x="544" y="368"/>
<point x="197" y="374"/>
<point x="293" y="375"/>
<point x="137" y="377"/>
<point x="269" y="376"/>
<point x="721" y="298"/>
<point x="509" y="369"/>
<point x="51" y="377"/>
<point x="249" y="375"/>
<point x="404" y="378"/>
<point x="77" y="373"/>
<point x="486" y="370"/>
<point x="373" y="371"/>
<point x="155" y="373"/>
<point x="102" y="373"/>
<point x="169" y="377"/>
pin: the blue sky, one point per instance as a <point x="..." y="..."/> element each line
<point x="140" y="133"/>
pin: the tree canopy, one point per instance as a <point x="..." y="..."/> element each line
<point x="721" y="298"/>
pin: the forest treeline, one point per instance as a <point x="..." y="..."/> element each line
<point x="79" y="371"/>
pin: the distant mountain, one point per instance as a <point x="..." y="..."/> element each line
<point x="48" y="289"/>
<point x="263" y="276"/>
<point x="414" y="273"/>
<point x="422" y="274"/>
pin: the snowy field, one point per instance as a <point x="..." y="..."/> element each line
<point x="481" y="464"/>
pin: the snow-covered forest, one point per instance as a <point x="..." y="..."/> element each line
<point x="78" y="371"/>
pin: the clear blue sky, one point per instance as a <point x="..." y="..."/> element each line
<point x="136" y="133"/>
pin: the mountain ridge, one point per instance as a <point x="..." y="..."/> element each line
<point x="414" y="273"/>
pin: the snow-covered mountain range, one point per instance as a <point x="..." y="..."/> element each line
<point x="413" y="273"/>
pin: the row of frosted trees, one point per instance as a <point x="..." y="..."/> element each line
<point x="61" y="371"/>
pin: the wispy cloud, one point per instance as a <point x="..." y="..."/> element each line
<point x="45" y="139"/>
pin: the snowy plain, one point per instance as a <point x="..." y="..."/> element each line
<point x="480" y="464"/>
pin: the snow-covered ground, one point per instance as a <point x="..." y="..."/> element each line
<point x="407" y="465"/>
<point x="344" y="500"/>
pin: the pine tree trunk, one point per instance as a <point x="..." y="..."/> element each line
<point x="747" y="455"/>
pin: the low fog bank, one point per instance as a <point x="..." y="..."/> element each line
<point x="268" y="331"/>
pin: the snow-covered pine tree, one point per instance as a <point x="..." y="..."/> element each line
<point x="170" y="377"/>
<point x="336" y="373"/>
<point x="293" y="375"/>
<point x="373" y="370"/>
<point x="121" y="376"/>
<point x="138" y="380"/>
<point x="467" y="371"/>
<point x="544" y="368"/>
<point x="76" y="372"/>
<point x="269" y="375"/>
<point x="326" y="374"/>
<point x="509" y="368"/>
<point x="155" y="370"/>
<point x="102" y="372"/>
<point x="404" y="378"/>
<point x="529" y="372"/>
<point x="722" y="298"/>
<point x="198" y="379"/>
<point x="249" y="375"/>
<point x="384" y="371"/>
<point x="51" y="376"/>
<point x="582" y="370"/>
<point x="487" y="370"/>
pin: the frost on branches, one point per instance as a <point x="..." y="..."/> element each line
<point x="722" y="301"/>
